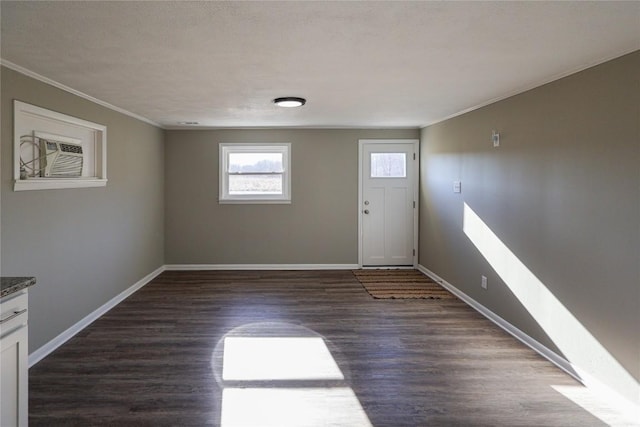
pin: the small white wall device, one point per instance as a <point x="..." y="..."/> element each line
<point x="60" y="156"/>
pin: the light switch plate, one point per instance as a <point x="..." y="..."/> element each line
<point x="457" y="187"/>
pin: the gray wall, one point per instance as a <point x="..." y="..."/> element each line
<point x="562" y="193"/>
<point x="318" y="227"/>
<point x="83" y="245"/>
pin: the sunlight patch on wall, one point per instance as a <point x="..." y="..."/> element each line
<point x="587" y="356"/>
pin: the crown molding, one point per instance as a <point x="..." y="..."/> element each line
<point x="43" y="79"/>
<point x="531" y="86"/>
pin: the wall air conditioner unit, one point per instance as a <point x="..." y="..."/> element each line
<point x="60" y="156"/>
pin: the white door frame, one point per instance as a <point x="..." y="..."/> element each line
<point x="416" y="182"/>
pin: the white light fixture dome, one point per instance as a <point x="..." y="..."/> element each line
<point x="289" y="101"/>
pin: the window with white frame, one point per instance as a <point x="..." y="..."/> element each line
<point x="255" y="173"/>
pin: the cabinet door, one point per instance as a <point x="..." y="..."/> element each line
<point x="13" y="378"/>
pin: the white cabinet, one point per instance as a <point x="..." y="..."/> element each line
<point x="13" y="360"/>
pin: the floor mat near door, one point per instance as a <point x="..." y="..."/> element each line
<point x="400" y="284"/>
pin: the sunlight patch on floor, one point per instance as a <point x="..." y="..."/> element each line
<point x="612" y="416"/>
<point x="285" y="375"/>
<point x="292" y="407"/>
<point x="278" y="358"/>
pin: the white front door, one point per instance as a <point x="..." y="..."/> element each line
<point x="388" y="202"/>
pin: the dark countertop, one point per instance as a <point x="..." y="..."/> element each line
<point x="9" y="285"/>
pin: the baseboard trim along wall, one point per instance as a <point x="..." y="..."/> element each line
<point x="190" y="267"/>
<point x="605" y="392"/>
<point x="576" y="372"/>
<point x="65" y="336"/>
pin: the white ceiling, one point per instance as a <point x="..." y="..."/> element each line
<point x="359" y="64"/>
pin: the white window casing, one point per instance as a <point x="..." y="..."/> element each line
<point x="255" y="173"/>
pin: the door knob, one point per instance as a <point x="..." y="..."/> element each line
<point x="366" y="211"/>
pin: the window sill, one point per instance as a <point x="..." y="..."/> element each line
<point x="54" y="183"/>
<point x="253" y="202"/>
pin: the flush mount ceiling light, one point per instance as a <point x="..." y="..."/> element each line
<point x="189" y="123"/>
<point x="289" y="101"/>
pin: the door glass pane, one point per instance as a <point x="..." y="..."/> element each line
<point x="388" y="165"/>
<point x="255" y="184"/>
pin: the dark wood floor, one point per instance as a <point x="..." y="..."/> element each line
<point x="155" y="358"/>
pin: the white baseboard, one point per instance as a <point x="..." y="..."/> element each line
<point x="65" y="336"/>
<point x="598" y="387"/>
<point x="576" y="372"/>
<point x="544" y="351"/>
<point x="188" y="267"/>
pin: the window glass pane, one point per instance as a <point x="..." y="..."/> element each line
<point x="255" y="173"/>
<point x="255" y="162"/>
<point x="388" y="165"/>
<point x="255" y="184"/>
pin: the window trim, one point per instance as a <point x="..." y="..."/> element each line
<point x="223" y="166"/>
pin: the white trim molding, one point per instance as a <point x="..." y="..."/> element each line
<point x="544" y="351"/>
<point x="43" y="79"/>
<point x="603" y="391"/>
<point x="50" y="184"/>
<point x="32" y="122"/>
<point x="66" y="335"/>
<point x="194" y="267"/>
<point x="530" y="86"/>
<point x="69" y="333"/>
<point x="264" y="150"/>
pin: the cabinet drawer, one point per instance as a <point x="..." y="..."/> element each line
<point x="13" y="312"/>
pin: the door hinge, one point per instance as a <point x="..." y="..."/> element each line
<point x="414" y="156"/>
<point x="414" y="204"/>
<point x="414" y="252"/>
